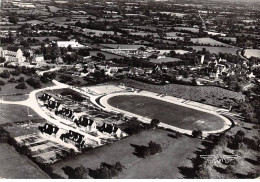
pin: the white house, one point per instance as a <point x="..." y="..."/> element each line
<point x="12" y="54"/>
<point x="73" y="43"/>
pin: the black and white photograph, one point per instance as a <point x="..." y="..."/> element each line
<point x="129" y="89"/>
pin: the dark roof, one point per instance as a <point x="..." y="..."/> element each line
<point x="108" y="128"/>
<point x="84" y="121"/>
<point x="49" y="129"/>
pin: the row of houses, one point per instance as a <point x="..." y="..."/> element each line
<point x="80" y="119"/>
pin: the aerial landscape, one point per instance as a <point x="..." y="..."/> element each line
<point x="129" y="89"/>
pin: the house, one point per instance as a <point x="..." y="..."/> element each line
<point x="73" y="43"/>
<point x="12" y="54"/>
<point x="88" y="123"/>
<point x="73" y="138"/>
<point x="38" y="59"/>
<point x="111" y="130"/>
<point x="45" y="97"/>
<point x="52" y="104"/>
<point x="66" y="113"/>
<point x="49" y="129"/>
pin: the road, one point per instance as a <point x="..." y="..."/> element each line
<point x="33" y="104"/>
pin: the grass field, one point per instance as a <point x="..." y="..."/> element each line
<point x="216" y="50"/>
<point x="169" y="113"/>
<point x="15" y="166"/>
<point x="208" y="40"/>
<point x="14" y="113"/>
<point x="123" y="151"/>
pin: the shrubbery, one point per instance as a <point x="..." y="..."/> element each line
<point x="2" y="82"/>
<point x="33" y="82"/>
<point x="5" y="74"/>
<point x="143" y="151"/>
<point x="21" y="86"/>
<point x="197" y="133"/>
<point x="65" y="78"/>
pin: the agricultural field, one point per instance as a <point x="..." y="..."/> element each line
<point x="190" y="29"/>
<point x="164" y="60"/>
<point x="162" y="165"/>
<point x="252" y="53"/>
<point x="41" y="39"/>
<point x="16" y="166"/>
<point x="210" y="41"/>
<point x="107" y="54"/>
<point x="216" y="50"/>
<point x="169" y="113"/>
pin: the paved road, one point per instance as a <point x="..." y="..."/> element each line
<point x="33" y="104"/>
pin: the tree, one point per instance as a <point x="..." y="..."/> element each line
<point x="5" y="74"/>
<point x="104" y="172"/>
<point x="33" y="82"/>
<point x="83" y="52"/>
<point x="197" y="133"/>
<point x="12" y="80"/>
<point x="21" y="86"/>
<point x="154" y="148"/>
<point x="13" y="19"/>
<point x="101" y="56"/>
<point x="2" y="82"/>
<point x="65" y="78"/>
<point x="21" y="79"/>
<point x="81" y="173"/>
<point x="155" y="122"/>
<point x="2" y="60"/>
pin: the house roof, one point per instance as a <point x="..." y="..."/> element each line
<point x="108" y="128"/>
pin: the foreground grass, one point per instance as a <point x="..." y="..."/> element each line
<point x="16" y="166"/>
<point x="175" y="153"/>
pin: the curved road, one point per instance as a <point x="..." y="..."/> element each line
<point x="33" y="104"/>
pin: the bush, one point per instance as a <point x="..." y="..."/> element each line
<point x="65" y="78"/>
<point x="21" y="86"/>
<point x="154" y="148"/>
<point x="21" y="79"/>
<point x="81" y="173"/>
<point x="155" y="123"/>
<point x="107" y="171"/>
<point x="33" y="82"/>
<point x="44" y="79"/>
<point x="5" y="74"/>
<point x="197" y="133"/>
<point x="12" y="80"/>
<point x="133" y="126"/>
<point x="2" y="82"/>
<point x="16" y="72"/>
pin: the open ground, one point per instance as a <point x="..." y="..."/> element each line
<point x="16" y="166"/>
<point x="162" y="165"/>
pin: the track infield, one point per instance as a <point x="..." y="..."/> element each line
<point x="167" y="112"/>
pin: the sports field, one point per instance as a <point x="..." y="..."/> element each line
<point x="166" y="112"/>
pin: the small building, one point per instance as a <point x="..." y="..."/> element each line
<point x="49" y="129"/>
<point x="73" y="138"/>
<point x="111" y="130"/>
<point x="88" y="123"/>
